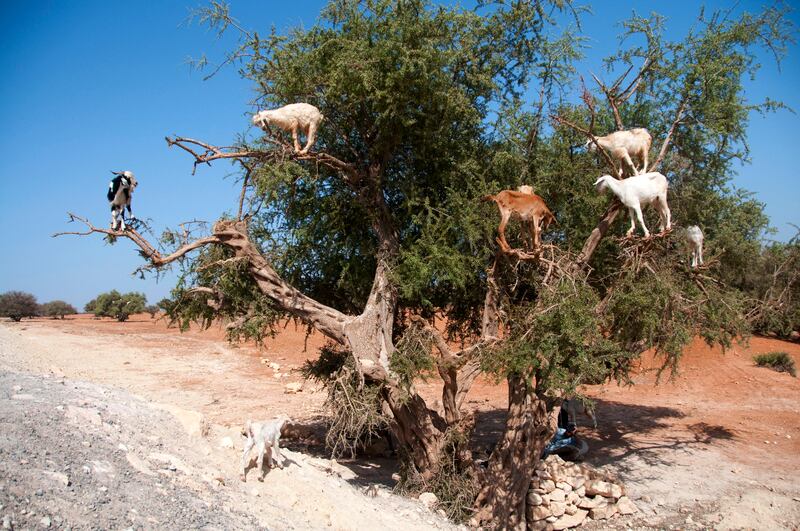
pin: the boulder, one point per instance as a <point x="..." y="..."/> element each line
<point x="558" y="508"/>
<point x="603" y="512"/>
<point x="563" y="485"/>
<point x="534" y="498"/>
<point x="603" y="488"/>
<point x="539" y="512"/>
<point x="570" y="520"/>
<point x="590" y="503"/>
<point x="625" y="506"/>
<point x="547" y="486"/>
<point x="557" y="495"/>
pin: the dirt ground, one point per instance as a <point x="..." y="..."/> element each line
<point x="717" y="447"/>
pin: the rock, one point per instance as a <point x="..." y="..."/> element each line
<point x="428" y="499"/>
<point x="580" y="491"/>
<point x="603" y="488"/>
<point x="539" y="512"/>
<point x="572" y="497"/>
<point x="59" y="478"/>
<point x="547" y="486"/>
<point x="534" y="499"/>
<point x="603" y="512"/>
<point x="590" y="503"/>
<point x="254" y="492"/>
<point x="557" y="495"/>
<point x="274" y="366"/>
<point x="226" y="442"/>
<point x="7" y="522"/>
<point x="794" y="335"/>
<point x="626" y="506"/>
<point x="576" y="481"/>
<point x="558" y="508"/>
<point x="292" y="388"/>
<point x="551" y="519"/>
<point x="563" y="485"/>
<point x="45" y="521"/>
<point x="570" y="520"/>
<point x="571" y="509"/>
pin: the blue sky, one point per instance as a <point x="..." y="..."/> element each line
<point x="92" y="86"/>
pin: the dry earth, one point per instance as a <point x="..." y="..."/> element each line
<point x="100" y="427"/>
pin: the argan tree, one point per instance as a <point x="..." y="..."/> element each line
<point x="18" y="304"/>
<point x="118" y="305"/>
<point x="57" y="309"/>
<point x="377" y="239"/>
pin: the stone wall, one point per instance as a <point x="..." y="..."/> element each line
<point x="565" y="495"/>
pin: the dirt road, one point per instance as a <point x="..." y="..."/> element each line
<point x="717" y="447"/>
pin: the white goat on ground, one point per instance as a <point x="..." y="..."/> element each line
<point x="623" y="146"/>
<point x="120" y="191"/>
<point x="695" y="238"/>
<point x="638" y="191"/>
<point x="265" y="436"/>
<point x="296" y="117"/>
<point x="528" y="206"/>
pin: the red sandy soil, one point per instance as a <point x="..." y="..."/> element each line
<point x="719" y="425"/>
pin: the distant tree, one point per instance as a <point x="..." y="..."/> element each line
<point x="772" y="280"/>
<point x="57" y="309"/>
<point x="152" y="309"/>
<point x="18" y="304"/>
<point x="117" y="305"/>
<point x="90" y="306"/>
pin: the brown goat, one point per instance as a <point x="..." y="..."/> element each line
<point x="529" y="207"/>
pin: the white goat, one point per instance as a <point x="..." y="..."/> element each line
<point x="638" y="191"/>
<point x="265" y="436"/>
<point x="295" y="117"/>
<point x="695" y="238"/>
<point x="624" y="146"/>
<point x="120" y="191"/>
<point x="525" y="189"/>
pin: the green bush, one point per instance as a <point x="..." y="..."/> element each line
<point x="777" y="361"/>
<point x="117" y="305"/>
<point x="57" y="309"/>
<point x="18" y="304"/>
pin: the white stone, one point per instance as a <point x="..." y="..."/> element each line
<point x="292" y="388"/>
<point x="626" y="506"/>
<point x="226" y="442"/>
<point x="603" y="512"/>
<point x="563" y="485"/>
<point x="534" y="499"/>
<point x="570" y="520"/>
<point x="558" y="508"/>
<point x="274" y="366"/>
<point x="557" y="495"/>
<point x="428" y="499"/>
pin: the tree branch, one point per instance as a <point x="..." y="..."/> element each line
<point x="663" y="151"/>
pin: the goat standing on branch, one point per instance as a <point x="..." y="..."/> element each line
<point x="296" y="117"/>
<point x="624" y="146"/>
<point x="694" y="236"/>
<point x="640" y="190"/>
<point x="120" y="191"/>
<point x="528" y="206"/>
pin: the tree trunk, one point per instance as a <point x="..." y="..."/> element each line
<point x="502" y="500"/>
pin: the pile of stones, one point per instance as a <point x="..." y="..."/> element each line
<point x="565" y="495"/>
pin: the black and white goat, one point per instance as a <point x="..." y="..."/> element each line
<point x="120" y="191"/>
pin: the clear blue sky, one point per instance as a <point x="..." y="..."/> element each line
<point x="91" y="86"/>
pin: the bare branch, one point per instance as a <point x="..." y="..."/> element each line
<point x="147" y="250"/>
<point x="668" y="138"/>
<point x="590" y="135"/>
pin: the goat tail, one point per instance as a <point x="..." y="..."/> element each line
<point x="488" y="197"/>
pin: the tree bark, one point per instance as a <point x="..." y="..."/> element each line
<point x="502" y="501"/>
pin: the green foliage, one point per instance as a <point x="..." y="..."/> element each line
<point x="777" y="361"/>
<point x="152" y="309"/>
<point x="57" y="309"/>
<point x="413" y="359"/>
<point x="772" y="280"/>
<point x="117" y="305"/>
<point x="18" y="304"/>
<point x="229" y="293"/>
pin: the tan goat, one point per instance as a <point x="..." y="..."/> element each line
<point x="528" y="206"/>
